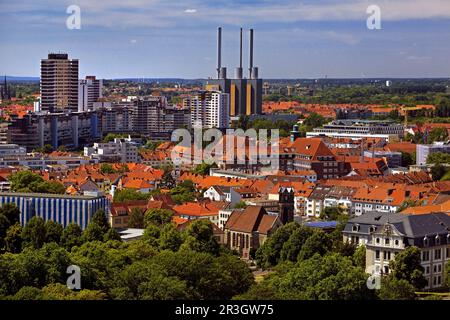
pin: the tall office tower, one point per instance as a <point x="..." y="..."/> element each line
<point x="245" y="94"/>
<point x="89" y="91"/>
<point x="209" y="109"/>
<point x="59" y="83"/>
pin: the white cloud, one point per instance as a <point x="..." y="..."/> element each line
<point x="161" y="13"/>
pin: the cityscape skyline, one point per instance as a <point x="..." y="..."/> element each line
<point x="308" y="40"/>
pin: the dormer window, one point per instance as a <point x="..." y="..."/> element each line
<point x="448" y="238"/>
<point x="437" y="240"/>
<point x="372" y="229"/>
<point x="425" y="241"/>
<point x="355" y="228"/>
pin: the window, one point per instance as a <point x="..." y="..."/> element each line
<point x="377" y="254"/>
<point x="427" y="270"/>
<point x="377" y="240"/>
<point x="386" y="241"/>
<point x="386" y="269"/>
<point x="437" y="254"/>
<point x="438" y="240"/>
<point x="397" y="242"/>
<point x="355" y="228"/>
<point x="387" y="255"/>
<point x="425" y="255"/>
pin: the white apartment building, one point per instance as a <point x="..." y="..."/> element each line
<point x="89" y="91"/>
<point x="209" y="109"/>
<point x="119" y="150"/>
<point x="224" y="215"/>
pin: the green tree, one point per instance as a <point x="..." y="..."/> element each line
<point x="34" y="233"/>
<point x="71" y="236"/>
<point x="27" y="181"/>
<point x="396" y="289"/>
<point x="4" y="226"/>
<point x="13" y="238"/>
<point x="53" y="231"/>
<point x="318" y="243"/>
<point x="407" y="266"/>
<point x="145" y="281"/>
<point x="152" y="234"/>
<point x="112" y="235"/>
<point x="129" y="195"/>
<point x="447" y="275"/>
<point x="10" y="211"/>
<point x="314" y="120"/>
<point x="199" y="237"/>
<point x="437" y="158"/>
<point x="93" y="232"/>
<point x="47" y="148"/>
<point x="158" y="217"/>
<point x="183" y="192"/>
<point x="107" y="168"/>
<point x="437" y="134"/>
<point x="136" y="219"/>
<point x="331" y="213"/>
<point x="203" y="168"/>
<point x="294" y="244"/>
<point x="101" y="219"/>
<point x="240" y="205"/>
<point x="269" y="253"/>
<point x="328" y="277"/>
<point x="170" y="238"/>
<point x="438" y="171"/>
<point x="359" y="257"/>
<point x="408" y="159"/>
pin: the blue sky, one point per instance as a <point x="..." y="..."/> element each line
<point x="167" y="38"/>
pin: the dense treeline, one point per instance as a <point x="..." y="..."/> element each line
<point x="310" y="264"/>
<point x="375" y="94"/>
<point x="164" y="264"/>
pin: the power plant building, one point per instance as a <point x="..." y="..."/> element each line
<point x="245" y="93"/>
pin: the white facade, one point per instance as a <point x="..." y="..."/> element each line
<point x="119" y="150"/>
<point x="89" y="91"/>
<point x="209" y="109"/>
<point x="217" y="193"/>
<point x="314" y="207"/>
<point x="224" y="215"/>
<point x="360" y="208"/>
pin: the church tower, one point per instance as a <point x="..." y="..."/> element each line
<point x="286" y="204"/>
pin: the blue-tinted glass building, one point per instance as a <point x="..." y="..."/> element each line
<point x="63" y="209"/>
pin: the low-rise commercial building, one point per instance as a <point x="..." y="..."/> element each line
<point x="63" y="209"/>
<point x="120" y="150"/>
